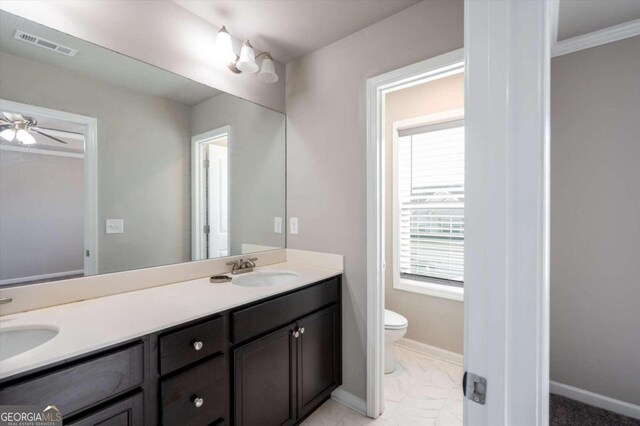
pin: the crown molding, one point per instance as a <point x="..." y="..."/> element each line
<point x="597" y="38"/>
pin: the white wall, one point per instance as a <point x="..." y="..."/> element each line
<point x="432" y="320"/>
<point x="158" y="32"/>
<point x="326" y="138"/>
<point x="41" y="214"/>
<point x="595" y="220"/>
<point x="257" y="166"/>
<point x="143" y="146"/>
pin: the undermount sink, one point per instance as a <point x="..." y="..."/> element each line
<point x="20" y="340"/>
<point x="265" y="278"/>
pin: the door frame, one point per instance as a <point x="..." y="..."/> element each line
<point x="90" y="191"/>
<point x="430" y="69"/>
<point x="197" y="218"/>
<point x="507" y="87"/>
<point x="507" y="115"/>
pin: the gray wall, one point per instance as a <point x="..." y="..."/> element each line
<point x="432" y="320"/>
<point x="326" y="146"/>
<point x="41" y="214"/>
<point x="257" y="166"/>
<point x="143" y="160"/>
<point x="595" y="220"/>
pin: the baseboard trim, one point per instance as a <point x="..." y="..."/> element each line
<point x="349" y="400"/>
<point x="433" y="351"/>
<point x="597" y="400"/>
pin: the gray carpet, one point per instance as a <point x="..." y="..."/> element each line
<point x="567" y="412"/>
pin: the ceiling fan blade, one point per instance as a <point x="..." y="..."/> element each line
<point x="56" y="130"/>
<point x="49" y="136"/>
<point x="13" y="117"/>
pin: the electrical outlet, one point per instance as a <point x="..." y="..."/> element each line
<point x="277" y="225"/>
<point x="114" y="226"/>
<point x="293" y="224"/>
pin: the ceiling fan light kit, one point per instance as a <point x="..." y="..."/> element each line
<point x="18" y="127"/>
<point x="247" y="62"/>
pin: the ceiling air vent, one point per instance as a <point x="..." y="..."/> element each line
<point x="46" y="44"/>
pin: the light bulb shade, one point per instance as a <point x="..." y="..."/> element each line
<point x="247" y="61"/>
<point x="267" y="72"/>
<point x="8" y="134"/>
<point x="24" y="137"/>
<point x="224" y="48"/>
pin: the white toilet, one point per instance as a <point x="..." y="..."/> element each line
<point x="395" y="326"/>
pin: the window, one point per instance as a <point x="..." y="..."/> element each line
<point x="429" y="206"/>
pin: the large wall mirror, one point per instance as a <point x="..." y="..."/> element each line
<point x="110" y="164"/>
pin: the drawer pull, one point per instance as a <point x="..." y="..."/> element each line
<point x="198" y="402"/>
<point x="197" y="345"/>
<point x="296" y="334"/>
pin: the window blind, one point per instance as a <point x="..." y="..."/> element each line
<point x="431" y="202"/>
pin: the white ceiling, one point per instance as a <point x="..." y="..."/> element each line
<point x="99" y="63"/>
<point x="578" y="17"/>
<point x="291" y="29"/>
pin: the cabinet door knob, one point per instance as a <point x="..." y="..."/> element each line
<point x="198" y="402"/>
<point x="296" y="334"/>
<point x="302" y="330"/>
<point x="197" y="345"/>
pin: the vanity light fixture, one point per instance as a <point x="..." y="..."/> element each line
<point x="247" y="61"/>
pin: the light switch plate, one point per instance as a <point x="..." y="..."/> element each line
<point x="114" y="226"/>
<point x="293" y="224"/>
<point x="277" y="225"/>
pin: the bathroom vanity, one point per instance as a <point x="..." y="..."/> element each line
<point x="268" y="362"/>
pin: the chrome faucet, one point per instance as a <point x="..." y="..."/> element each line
<point x="242" y="266"/>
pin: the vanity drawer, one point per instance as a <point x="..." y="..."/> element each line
<point x="179" y="394"/>
<point x="82" y="385"/>
<point x="269" y="315"/>
<point x="180" y="348"/>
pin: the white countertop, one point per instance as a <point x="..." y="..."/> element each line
<point x="98" y="323"/>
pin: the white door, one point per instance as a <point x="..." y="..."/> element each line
<point x="210" y="234"/>
<point x="217" y="200"/>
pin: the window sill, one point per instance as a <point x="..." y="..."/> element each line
<point x="429" y="289"/>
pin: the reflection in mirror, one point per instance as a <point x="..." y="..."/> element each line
<point x="110" y="164"/>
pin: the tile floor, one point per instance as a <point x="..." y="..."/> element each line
<point x="422" y="391"/>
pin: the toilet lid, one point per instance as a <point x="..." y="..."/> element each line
<point x="393" y="320"/>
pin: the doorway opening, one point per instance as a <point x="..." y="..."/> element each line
<point x="416" y="238"/>
<point x="210" y="181"/>
<point x="48" y="187"/>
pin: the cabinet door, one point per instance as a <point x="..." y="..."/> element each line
<point x="264" y="377"/>
<point x="318" y="358"/>
<point x="129" y="412"/>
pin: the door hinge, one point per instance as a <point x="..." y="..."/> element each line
<point x="205" y="164"/>
<point x="206" y="229"/>
<point x="474" y="387"/>
<point x="87" y="253"/>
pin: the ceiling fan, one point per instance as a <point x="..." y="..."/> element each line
<point x="18" y="127"/>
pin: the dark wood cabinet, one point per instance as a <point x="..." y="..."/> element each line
<point x="190" y="344"/>
<point x="197" y="396"/>
<point x="284" y="376"/>
<point x="266" y="363"/>
<point x="128" y="412"/>
<point x="319" y="369"/>
<point x="82" y="384"/>
<point x="264" y="377"/>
